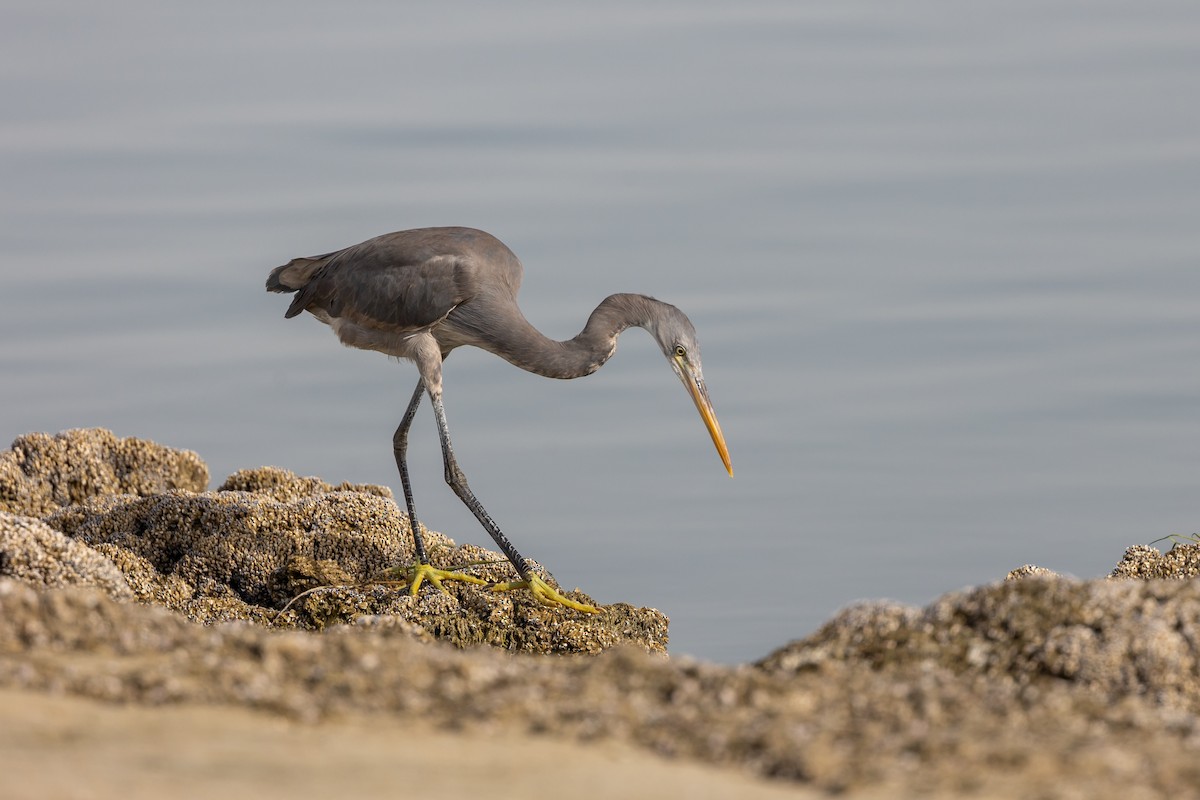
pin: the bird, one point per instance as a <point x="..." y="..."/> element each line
<point x="419" y="294"/>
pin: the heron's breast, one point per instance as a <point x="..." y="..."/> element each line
<point x="399" y="343"/>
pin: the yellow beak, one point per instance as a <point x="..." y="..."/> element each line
<point x="695" y="386"/>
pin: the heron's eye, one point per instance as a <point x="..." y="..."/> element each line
<point x="680" y="351"/>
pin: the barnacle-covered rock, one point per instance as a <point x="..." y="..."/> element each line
<point x="32" y="551"/>
<point x="41" y="472"/>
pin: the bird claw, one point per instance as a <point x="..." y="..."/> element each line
<point x="544" y="593"/>
<point x="418" y="573"/>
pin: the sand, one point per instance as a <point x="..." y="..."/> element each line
<point x="55" y="746"/>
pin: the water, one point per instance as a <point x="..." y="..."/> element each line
<point x="942" y="259"/>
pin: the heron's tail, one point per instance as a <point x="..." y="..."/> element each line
<point x="295" y="274"/>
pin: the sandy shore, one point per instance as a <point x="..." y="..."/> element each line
<point x="68" y="747"/>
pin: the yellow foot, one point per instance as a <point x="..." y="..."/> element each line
<point x="543" y="593"/>
<point x="417" y="573"/>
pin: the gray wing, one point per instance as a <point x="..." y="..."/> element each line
<point x="399" y="281"/>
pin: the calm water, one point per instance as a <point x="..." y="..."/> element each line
<point x="943" y="259"/>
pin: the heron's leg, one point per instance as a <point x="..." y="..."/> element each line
<point x="422" y="570"/>
<point x="458" y="482"/>
<point x="400" y="450"/>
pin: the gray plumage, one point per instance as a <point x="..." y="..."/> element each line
<point x="418" y="294"/>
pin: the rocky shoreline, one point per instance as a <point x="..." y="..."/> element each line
<point x="123" y="579"/>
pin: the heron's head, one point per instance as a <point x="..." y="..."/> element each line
<point x="677" y="337"/>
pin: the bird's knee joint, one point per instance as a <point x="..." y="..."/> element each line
<point x="456" y="479"/>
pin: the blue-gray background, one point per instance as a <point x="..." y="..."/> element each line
<point x="942" y="258"/>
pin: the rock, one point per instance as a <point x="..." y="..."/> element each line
<point x="1038" y="685"/>
<point x="308" y="554"/>
<point x="284" y="485"/>
<point x="42" y="473"/>
<point x="1029" y="569"/>
<point x="1117" y="638"/>
<point x="34" y="552"/>
<point x="237" y="543"/>
<point x="1141" y="561"/>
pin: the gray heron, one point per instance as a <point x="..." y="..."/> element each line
<point x="418" y="294"/>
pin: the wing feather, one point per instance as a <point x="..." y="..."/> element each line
<point x="395" y="282"/>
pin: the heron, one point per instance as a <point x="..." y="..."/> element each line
<point x="419" y="294"/>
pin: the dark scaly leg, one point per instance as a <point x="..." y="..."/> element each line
<point x="422" y="570"/>
<point x="400" y="451"/>
<point x="541" y="590"/>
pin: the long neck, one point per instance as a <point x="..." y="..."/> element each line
<point x="526" y="347"/>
